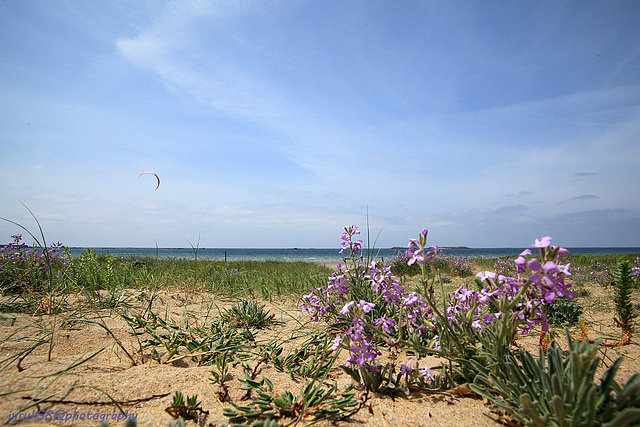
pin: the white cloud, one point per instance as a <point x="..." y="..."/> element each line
<point x="174" y="48"/>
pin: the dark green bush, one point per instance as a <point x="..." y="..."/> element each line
<point x="624" y="307"/>
<point x="564" y="312"/>
<point x="399" y="267"/>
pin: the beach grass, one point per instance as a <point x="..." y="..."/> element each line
<point x="92" y="290"/>
<point x="102" y="279"/>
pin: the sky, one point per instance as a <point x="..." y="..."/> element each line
<point x="276" y="123"/>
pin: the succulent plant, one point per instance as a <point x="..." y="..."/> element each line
<point x="185" y="408"/>
<point x="249" y="314"/>
<point x="314" y="404"/>
<point x="553" y="390"/>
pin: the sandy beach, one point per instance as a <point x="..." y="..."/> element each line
<point x="145" y="389"/>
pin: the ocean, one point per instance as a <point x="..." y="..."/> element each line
<point x="321" y="255"/>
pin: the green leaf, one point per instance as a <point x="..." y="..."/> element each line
<point x="624" y="418"/>
<point x="531" y="409"/>
<point x="558" y="407"/>
<point x="281" y="403"/>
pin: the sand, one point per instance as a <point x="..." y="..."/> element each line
<point x="145" y="389"/>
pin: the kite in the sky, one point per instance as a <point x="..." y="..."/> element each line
<point x="152" y="173"/>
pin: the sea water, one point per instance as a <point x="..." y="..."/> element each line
<point x="321" y="255"/>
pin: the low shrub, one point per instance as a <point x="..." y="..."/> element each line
<point x="29" y="269"/>
<point x="443" y="264"/>
<point x="249" y="314"/>
<point x="453" y="265"/>
<point x="564" y="312"/>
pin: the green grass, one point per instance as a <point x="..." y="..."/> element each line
<point x="101" y="280"/>
<point x="259" y="278"/>
<point x="91" y="288"/>
<point x="608" y="260"/>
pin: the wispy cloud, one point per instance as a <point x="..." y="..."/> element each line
<point x="582" y="198"/>
<point x="519" y="194"/>
<point x="175" y="49"/>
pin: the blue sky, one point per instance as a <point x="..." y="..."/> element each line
<point x="275" y="123"/>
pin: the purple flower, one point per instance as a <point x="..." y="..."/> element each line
<point x="419" y="245"/>
<point x="406" y="368"/>
<point x="336" y="343"/>
<point x="484" y="296"/>
<point x="423" y="237"/>
<point x="338" y="283"/>
<point x="386" y="323"/>
<point x="366" y="306"/>
<point x="345" y="309"/>
<point x="415" y="256"/>
<point x="534" y="265"/>
<point x="411" y="300"/>
<point x="463" y="294"/>
<point x="413" y="244"/>
<point x="436" y="342"/>
<point x="521" y="261"/>
<point x="486" y="275"/>
<point x="564" y="269"/>
<point x="362" y="354"/>
<point x="542" y="242"/>
<point x="545" y="322"/>
<point x="488" y="318"/>
<point x="347" y="243"/>
<point x="426" y="373"/>
<point x="432" y="254"/>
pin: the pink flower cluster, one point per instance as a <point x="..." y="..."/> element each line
<point x="517" y="300"/>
